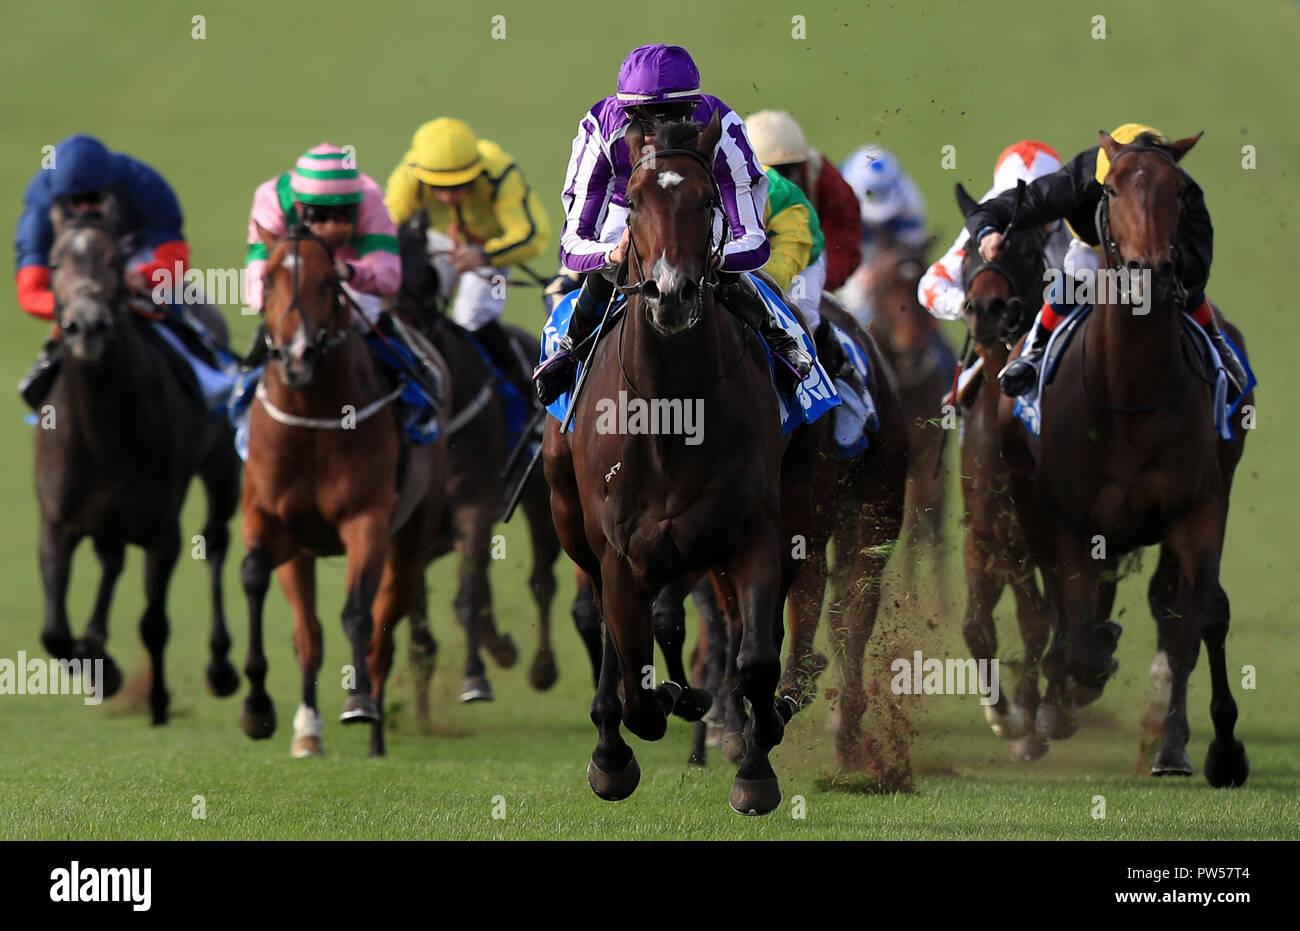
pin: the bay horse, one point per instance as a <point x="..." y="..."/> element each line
<point x="118" y="441"/>
<point x="636" y="511"/>
<point x="909" y="337"/>
<point x="1000" y="302"/>
<point x="477" y="452"/>
<point x="1128" y="457"/>
<point x="328" y="474"/>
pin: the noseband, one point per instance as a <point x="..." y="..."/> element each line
<point x="323" y="341"/>
<point x="712" y="249"/>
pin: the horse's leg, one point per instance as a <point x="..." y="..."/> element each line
<point x="221" y="482"/>
<point x="264" y="548"/>
<point x="668" y="616"/>
<point x="733" y="706"/>
<point x="700" y="673"/>
<point x="159" y="561"/>
<point x="546" y="549"/>
<point x="55" y="554"/>
<point x="613" y="772"/>
<point x="625" y="606"/>
<point x="424" y="655"/>
<point x="983" y="588"/>
<point x="1197" y="543"/>
<point x="1163" y="599"/>
<point x="111" y="555"/>
<point x="587" y="620"/>
<point x="402" y="578"/>
<point x="1031" y="616"/>
<point x="298" y="581"/>
<point x="365" y="538"/>
<point x="1076" y="581"/>
<point x="713" y="636"/>
<point x="473" y="528"/>
<point x="803" y="665"/>
<point x="758" y="669"/>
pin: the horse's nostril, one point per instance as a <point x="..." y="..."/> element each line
<point x="1134" y="265"/>
<point x="650" y="291"/>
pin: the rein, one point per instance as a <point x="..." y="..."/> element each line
<point x="322" y="342"/>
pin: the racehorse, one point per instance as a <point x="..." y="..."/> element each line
<point x="328" y="474"/>
<point x="476" y="430"/>
<point x="636" y="511"/>
<point x="1127" y="457"/>
<point x="121" y="435"/>
<point x="1000" y="299"/>
<point x="910" y="340"/>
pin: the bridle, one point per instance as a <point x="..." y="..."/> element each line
<point x="1106" y="238"/>
<point x="1019" y="270"/>
<point x="712" y="249"/>
<point x="90" y="288"/>
<point x="323" y="340"/>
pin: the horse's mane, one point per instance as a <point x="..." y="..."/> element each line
<point x="677" y="134"/>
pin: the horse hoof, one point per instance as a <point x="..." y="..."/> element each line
<point x="1172" y="761"/>
<point x="223" y="680"/>
<point x="697" y="759"/>
<point x="1028" y="748"/>
<point x="475" y="688"/>
<point x="1226" y="766"/>
<point x="360" y="709"/>
<point x="1054" y="722"/>
<point x="617" y="785"/>
<point x="258" y="724"/>
<point x="693" y="705"/>
<point x="733" y="746"/>
<point x="305" y="745"/>
<point x="543" y="673"/>
<point x="713" y="735"/>
<point x="106" y="681"/>
<point x="755" y="796"/>
<point x="502" y="649"/>
<point x="1007" y="726"/>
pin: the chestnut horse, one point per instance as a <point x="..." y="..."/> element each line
<point x="1128" y="457"/>
<point x="1000" y="300"/>
<point x="637" y="511"/>
<point x="325" y="453"/>
<point x="119" y="441"/>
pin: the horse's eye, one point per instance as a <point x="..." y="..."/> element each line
<point x="631" y="205"/>
<point x="1110" y="191"/>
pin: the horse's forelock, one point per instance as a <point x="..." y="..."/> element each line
<point x="678" y="134"/>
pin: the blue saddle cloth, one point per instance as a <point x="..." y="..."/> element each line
<point x="814" y="397"/>
<point x="418" y="427"/>
<point x="1028" y="407"/>
<point x="856" y="418"/>
<point x="517" y="407"/>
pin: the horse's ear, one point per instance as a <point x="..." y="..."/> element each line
<point x="1109" y="145"/>
<point x="708" y="140"/>
<point x="965" y="203"/>
<point x="59" y="217"/>
<point x="1183" y="146"/>
<point x="635" y="139"/>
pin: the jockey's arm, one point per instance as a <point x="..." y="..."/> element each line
<point x="1047" y="199"/>
<point x="266" y="215"/>
<point x="526" y="230"/>
<point x="841" y="221"/>
<point x="402" y="194"/>
<point x="789" y="237"/>
<point x="155" y="203"/>
<point x="32" y="240"/>
<point x="378" y="267"/>
<point x="939" y="289"/>
<point x="1196" y="240"/>
<point x="743" y="187"/>
<point x="586" y="195"/>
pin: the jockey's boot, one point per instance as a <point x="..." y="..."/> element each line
<point x="832" y="355"/>
<point x="425" y="374"/>
<point x="1231" y="364"/>
<point x="739" y="295"/>
<point x="555" y="375"/>
<point x="36" y="383"/>
<point x="1021" y="373"/>
<point x="494" y="338"/>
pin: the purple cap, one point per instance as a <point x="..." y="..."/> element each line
<point x="658" y="74"/>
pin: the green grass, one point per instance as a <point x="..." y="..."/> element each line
<point x="217" y="116"/>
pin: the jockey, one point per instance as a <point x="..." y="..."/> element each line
<point x="327" y="194"/>
<point x="86" y="177"/>
<point x="1073" y="193"/>
<point x="941" y="289"/>
<point x="471" y="190"/>
<point x="657" y="83"/>
<point x="779" y="142"/>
